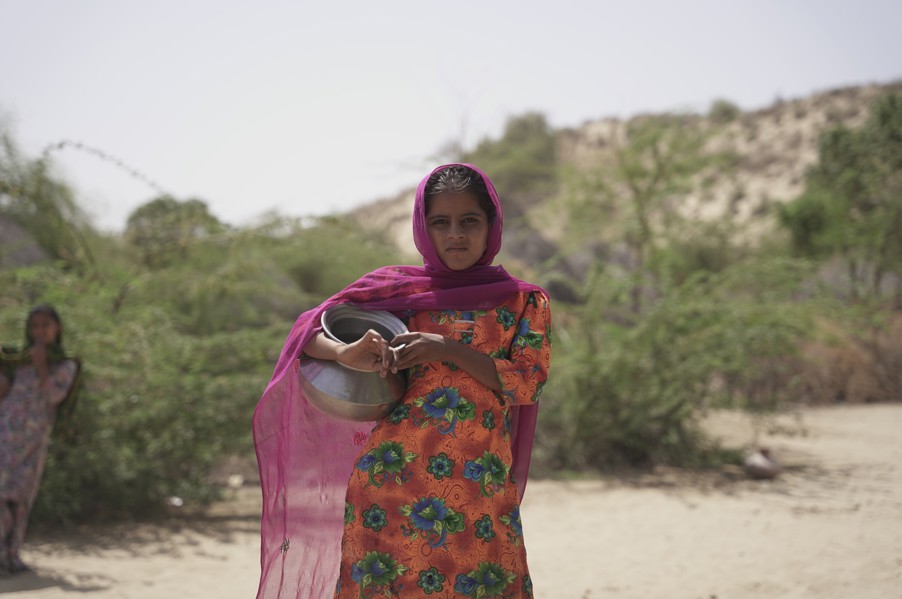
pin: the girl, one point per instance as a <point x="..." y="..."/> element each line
<point x="30" y="392"/>
<point x="427" y="501"/>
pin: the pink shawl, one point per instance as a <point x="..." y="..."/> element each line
<point x="306" y="458"/>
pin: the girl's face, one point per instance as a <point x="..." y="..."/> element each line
<point x="43" y="329"/>
<point x="458" y="229"/>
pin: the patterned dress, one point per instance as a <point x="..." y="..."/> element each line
<point x="431" y="508"/>
<point x="27" y="412"/>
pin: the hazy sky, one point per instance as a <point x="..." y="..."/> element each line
<point x="314" y="107"/>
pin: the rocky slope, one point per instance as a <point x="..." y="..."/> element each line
<point x="773" y="147"/>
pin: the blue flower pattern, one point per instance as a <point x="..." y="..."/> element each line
<point x="443" y="407"/>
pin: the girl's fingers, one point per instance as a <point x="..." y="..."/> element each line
<point x="371" y="334"/>
<point x="396" y="357"/>
<point x="386" y="357"/>
<point x="403" y="339"/>
<point x="407" y="357"/>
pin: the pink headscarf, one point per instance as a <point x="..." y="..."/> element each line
<point x="306" y="457"/>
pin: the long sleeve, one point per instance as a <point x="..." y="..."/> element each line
<point x="525" y="368"/>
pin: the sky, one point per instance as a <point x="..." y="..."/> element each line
<point x="307" y="108"/>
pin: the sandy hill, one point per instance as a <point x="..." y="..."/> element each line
<point x="773" y="147"/>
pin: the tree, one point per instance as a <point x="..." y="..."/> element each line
<point x="163" y="228"/>
<point x="723" y="111"/>
<point x="651" y="164"/>
<point x="523" y="160"/>
<point x="43" y="206"/>
<point x="626" y="396"/>
<point x="852" y="203"/>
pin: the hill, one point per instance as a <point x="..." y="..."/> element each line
<point x="770" y="148"/>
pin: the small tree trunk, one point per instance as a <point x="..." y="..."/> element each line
<point x="877" y="281"/>
<point x="636" y="291"/>
<point x="853" y="278"/>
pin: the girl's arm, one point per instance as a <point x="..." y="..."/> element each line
<point x="59" y="381"/>
<point x="370" y="353"/>
<point x="363" y="354"/>
<point x="519" y="376"/>
<point x="524" y="370"/>
<point x="430" y="347"/>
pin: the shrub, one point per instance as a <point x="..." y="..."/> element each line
<point x="626" y="395"/>
<point x="723" y="111"/>
<point x="175" y="358"/>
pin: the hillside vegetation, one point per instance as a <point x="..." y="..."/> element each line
<point x="751" y="260"/>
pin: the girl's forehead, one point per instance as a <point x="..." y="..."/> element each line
<point x="457" y="203"/>
<point x="41" y="319"/>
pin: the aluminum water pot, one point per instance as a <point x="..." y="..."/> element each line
<point x="341" y="391"/>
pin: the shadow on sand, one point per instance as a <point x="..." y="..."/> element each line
<point x="44" y="578"/>
<point x="179" y="533"/>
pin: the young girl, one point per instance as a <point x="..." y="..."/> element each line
<point x="30" y="392"/>
<point x="427" y="501"/>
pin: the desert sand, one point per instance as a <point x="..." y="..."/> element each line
<point x="830" y="526"/>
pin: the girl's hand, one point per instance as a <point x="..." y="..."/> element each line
<point x="39" y="361"/>
<point x="365" y="354"/>
<point x="38" y="355"/>
<point x="410" y="349"/>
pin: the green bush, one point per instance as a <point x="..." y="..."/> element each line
<point x="175" y="356"/>
<point x="851" y="208"/>
<point x="523" y="160"/>
<point x="723" y="111"/>
<point x="632" y="394"/>
<point x="157" y="407"/>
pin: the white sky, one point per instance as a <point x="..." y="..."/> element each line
<point x="313" y="107"/>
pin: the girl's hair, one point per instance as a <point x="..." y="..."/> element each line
<point x="49" y="311"/>
<point x="460" y="179"/>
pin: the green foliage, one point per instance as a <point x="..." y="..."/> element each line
<point x="693" y="248"/>
<point x="690" y="321"/>
<point x="158" y="406"/>
<point x="632" y="394"/>
<point x="852" y="203"/>
<point x="723" y="111"/>
<point x="163" y="228"/>
<point x="178" y="339"/>
<point x="43" y="206"/>
<point x="636" y="192"/>
<point x="523" y="160"/>
<point x="330" y="255"/>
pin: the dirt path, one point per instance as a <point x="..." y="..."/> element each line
<point x="829" y="527"/>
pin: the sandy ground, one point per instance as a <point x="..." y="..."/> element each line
<point x="829" y="527"/>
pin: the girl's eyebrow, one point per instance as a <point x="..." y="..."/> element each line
<point x="473" y="213"/>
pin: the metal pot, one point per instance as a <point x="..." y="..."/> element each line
<point x="343" y="392"/>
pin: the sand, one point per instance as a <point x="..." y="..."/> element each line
<point x="830" y="526"/>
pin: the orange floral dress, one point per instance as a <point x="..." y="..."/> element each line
<point x="431" y="507"/>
